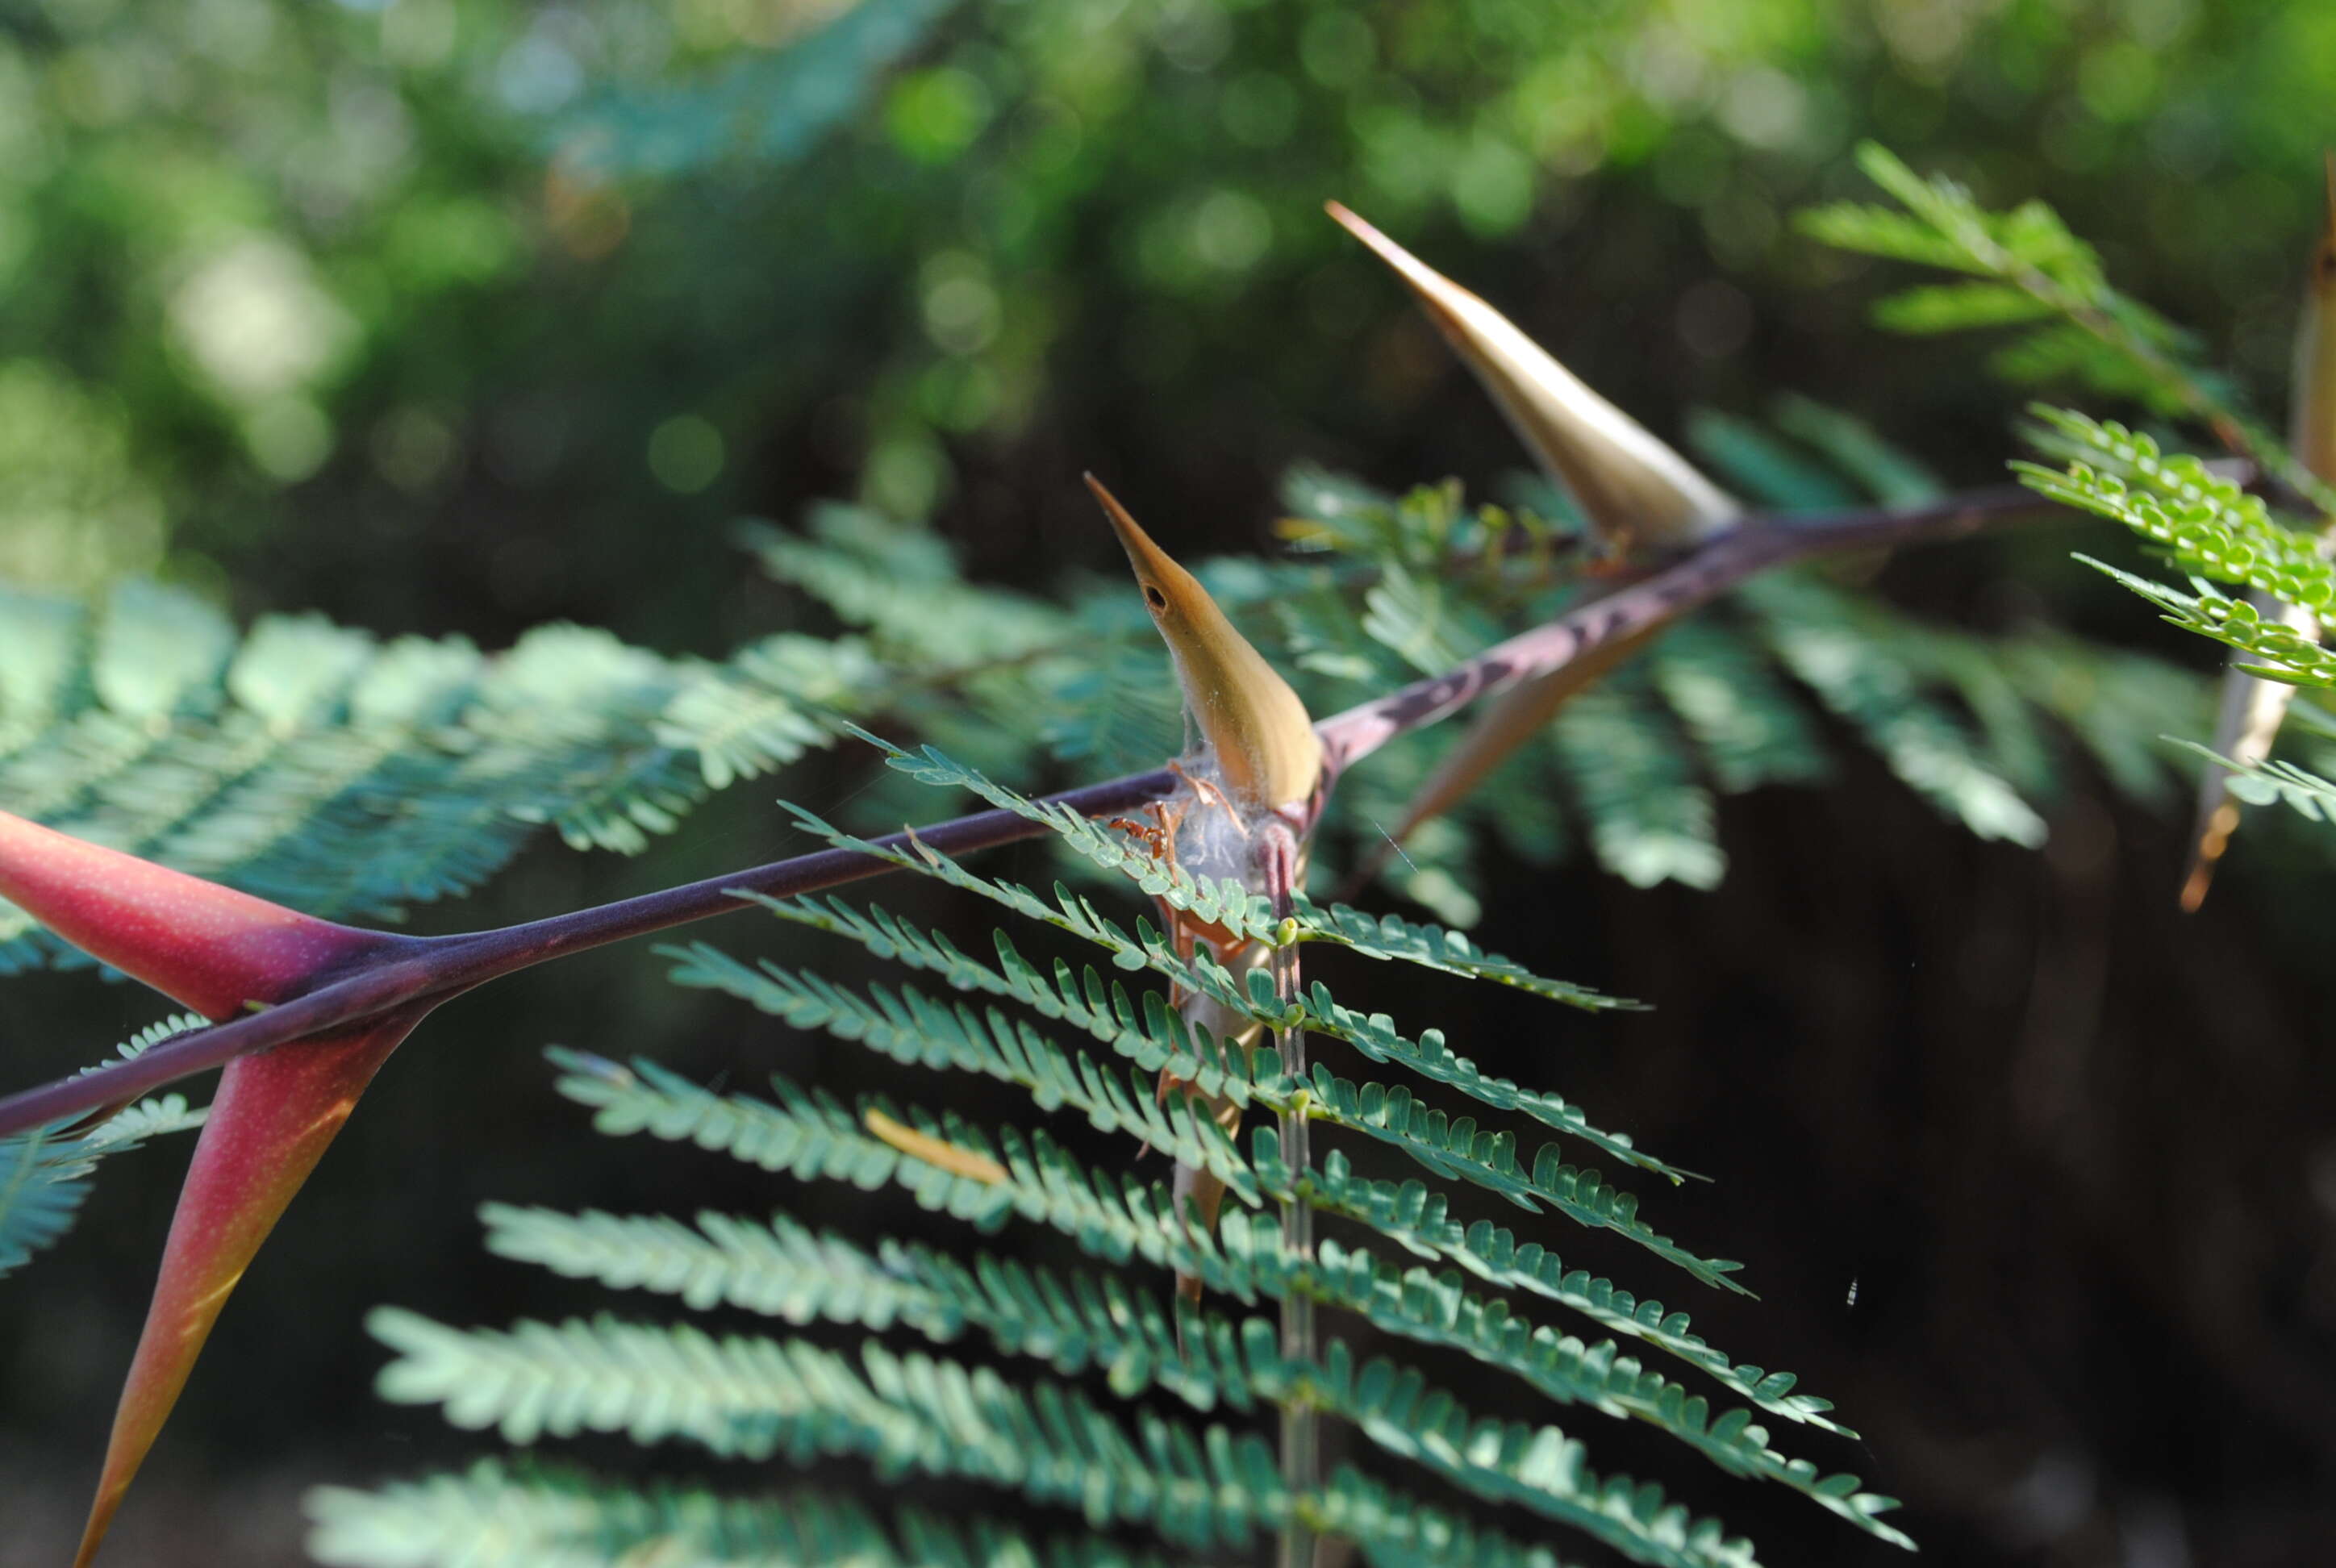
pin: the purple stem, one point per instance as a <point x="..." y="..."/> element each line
<point x="433" y="969"/>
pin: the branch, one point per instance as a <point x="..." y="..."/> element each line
<point x="435" y="969"/>
<point x="1712" y="571"/>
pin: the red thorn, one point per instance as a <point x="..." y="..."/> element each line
<point x="218" y="951"/>
<point x="274" y="1116"/>
<point x="208" y="947"/>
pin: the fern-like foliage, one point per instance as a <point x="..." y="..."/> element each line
<point x="1202" y="1480"/>
<point x="2205" y="526"/>
<point x="349" y="776"/>
<point x="2274" y="781"/>
<point x="2031" y="274"/>
<point x="2202" y="524"/>
<point x="1155" y="1040"/>
<point x="492" y="1516"/>
<point x="45" y="1173"/>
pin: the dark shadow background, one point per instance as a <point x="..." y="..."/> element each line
<point x="2036" y="1177"/>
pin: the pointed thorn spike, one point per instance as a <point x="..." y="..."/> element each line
<point x="206" y="947"/>
<point x="275" y="1115"/>
<point x="1633" y="487"/>
<point x="1142" y="552"/>
<point x="1258" y="729"/>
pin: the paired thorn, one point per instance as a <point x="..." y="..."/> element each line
<point x="1635" y="491"/>
<point x="218" y="951"/>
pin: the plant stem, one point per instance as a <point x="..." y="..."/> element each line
<point x="433" y="969"/>
<point x="1301" y="1460"/>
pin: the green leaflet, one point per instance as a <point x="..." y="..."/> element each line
<point x="1731" y="701"/>
<point x="490" y="1516"/>
<point x="1960" y="307"/>
<point x="780" y="1270"/>
<point x="493" y="1517"/>
<point x="1839" y="652"/>
<point x="1388" y="937"/>
<point x="1106" y="1010"/>
<point x="1395" y="938"/>
<point x="1768" y="469"/>
<point x="1439" y="1312"/>
<point x="755" y="1398"/>
<point x="1650" y="821"/>
<point x="2050" y="286"/>
<point x="2035" y="270"/>
<point x="1418" y="1219"/>
<point x="814" y="1137"/>
<point x="1536" y="1468"/>
<point x="349" y="777"/>
<point x="45" y="1173"/>
<point x="912" y="1027"/>
<point x="2204" y="525"/>
<point x="1221" y="903"/>
<point x="1881" y="471"/>
<point x="752" y="1397"/>
<point x="2302" y="790"/>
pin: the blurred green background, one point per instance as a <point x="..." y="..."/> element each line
<point x="422" y="312"/>
<point x="442" y="316"/>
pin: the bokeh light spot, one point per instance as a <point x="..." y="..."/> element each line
<point x="686" y="454"/>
